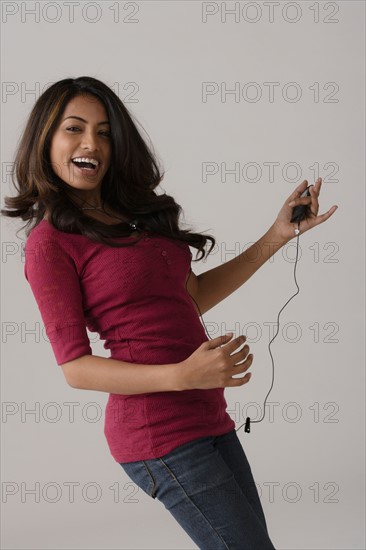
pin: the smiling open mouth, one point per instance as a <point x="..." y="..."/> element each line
<point x="86" y="167"/>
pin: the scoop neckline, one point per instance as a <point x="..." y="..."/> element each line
<point x="141" y="234"/>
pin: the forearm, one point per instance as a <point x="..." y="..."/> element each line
<point x="91" y="372"/>
<point x="218" y="283"/>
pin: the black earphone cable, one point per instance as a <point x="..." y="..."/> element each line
<point x="133" y="225"/>
<point x="248" y="420"/>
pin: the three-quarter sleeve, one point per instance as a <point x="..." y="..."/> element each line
<point x="52" y="274"/>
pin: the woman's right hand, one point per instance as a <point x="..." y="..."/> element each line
<point x="211" y="365"/>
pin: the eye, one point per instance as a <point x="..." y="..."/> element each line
<point x="106" y="133"/>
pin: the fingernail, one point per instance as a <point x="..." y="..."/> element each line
<point x="291" y="203"/>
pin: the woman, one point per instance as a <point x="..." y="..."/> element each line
<point x="105" y="252"/>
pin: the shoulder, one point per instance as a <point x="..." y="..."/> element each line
<point x="45" y="232"/>
<point x="47" y="245"/>
<point x="42" y="234"/>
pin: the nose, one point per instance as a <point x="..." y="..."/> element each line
<point x="89" y="141"/>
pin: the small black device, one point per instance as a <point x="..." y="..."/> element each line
<point x="302" y="210"/>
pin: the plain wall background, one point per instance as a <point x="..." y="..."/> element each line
<point x="308" y="457"/>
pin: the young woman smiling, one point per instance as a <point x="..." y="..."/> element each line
<point x="104" y="252"/>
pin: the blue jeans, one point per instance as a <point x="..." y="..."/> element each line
<point x="208" y="487"/>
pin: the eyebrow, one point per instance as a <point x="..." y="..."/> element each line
<point x="83" y="120"/>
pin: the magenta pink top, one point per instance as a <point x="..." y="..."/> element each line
<point x="135" y="298"/>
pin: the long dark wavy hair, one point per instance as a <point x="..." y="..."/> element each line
<point x="127" y="187"/>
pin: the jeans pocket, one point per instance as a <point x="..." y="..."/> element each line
<point x="140" y="474"/>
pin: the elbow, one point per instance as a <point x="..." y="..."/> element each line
<point x="71" y="371"/>
<point x="69" y="374"/>
<point x="72" y="383"/>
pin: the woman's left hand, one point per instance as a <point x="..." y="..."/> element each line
<point x="285" y="230"/>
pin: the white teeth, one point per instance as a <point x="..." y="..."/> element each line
<point x="85" y="159"/>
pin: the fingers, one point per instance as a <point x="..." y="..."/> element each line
<point x="299" y="189"/>
<point x="242" y="367"/>
<point x="240" y="355"/>
<point x="225" y="339"/>
<point x="314" y="192"/>
<point x="219" y="340"/>
<point x="239" y="367"/>
<point x="314" y="209"/>
<point x="323" y="217"/>
<point x="303" y="200"/>
<point x="231" y="346"/>
<point x="318" y="185"/>
<point x="310" y="200"/>
<point x="240" y="380"/>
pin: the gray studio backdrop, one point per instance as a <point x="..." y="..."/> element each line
<point x="242" y="101"/>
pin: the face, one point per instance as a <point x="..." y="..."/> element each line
<point x="75" y="138"/>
